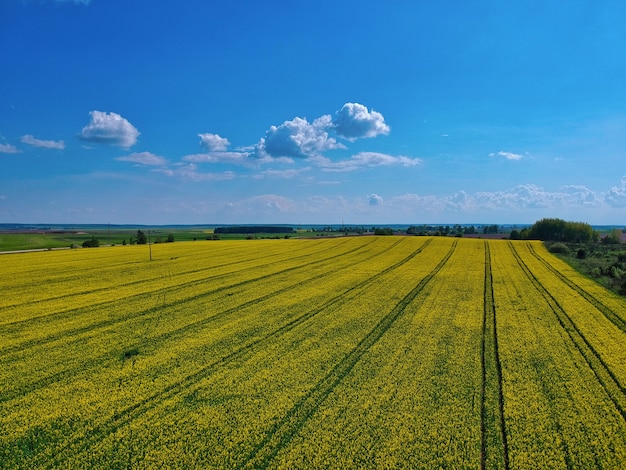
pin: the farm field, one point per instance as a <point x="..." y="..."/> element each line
<point x="354" y="352"/>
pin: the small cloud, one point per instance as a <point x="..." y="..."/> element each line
<point x="283" y="174"/>
<point x="507" y="155"/>
<point x="144" y="158"/>
<point x="190" y="172"/>
<point x="48" y="144"/>
<point x="616" y="196"/>
<point x="237" y="158"/>
<point x="375" y="200"/>
<point x="109" y="128"/>
<point x="353" y="121"/>
<point x="8" y="148"/>
<point x="368" y="159"/>
<point x="213" y="142"/>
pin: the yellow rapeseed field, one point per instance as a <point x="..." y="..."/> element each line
<point x="363" y="352"/>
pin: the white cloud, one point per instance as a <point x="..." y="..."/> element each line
<point x="283" y="174"/>
<point x="521" y="197"/>
<point x="48" y="144"/>
<point x="266" y="205"/>
<point x="144" y="158"/>
<point x="297" y="139"/>
<point x="109" y="128"/>
<point x="354" y="121"/>
<point x="616" y="196"/>
<point x="375" y="200"/>
<point x="507" y="155"/>
<point x="367" y="159"/>
<point x="190" y="172"/>
<point x="238" y="158"/>
<point x="8" y="148"/>
<point x="213" y="142"/>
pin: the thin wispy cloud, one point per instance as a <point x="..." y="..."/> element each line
<point x="8" y="148"/>
<point x="368" y="160"/>
<point x="507" y="155"/>
<point x="48" y="144"/>
<point x="144" y="158"/>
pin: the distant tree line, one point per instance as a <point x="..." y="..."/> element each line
<point x="249" y="229"/>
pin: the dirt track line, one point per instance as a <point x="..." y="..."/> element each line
<point x="160" y="306"/>
<point x="73" y="311"/>
<point x="99" y="360"/>
<point x="606" y="311"/>
<point x="282" y="432"/>
<point x="607" y="379"/>
<point x="494" y="445"/>
<point x="134" y="411"/>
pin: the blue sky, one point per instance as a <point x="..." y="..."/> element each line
<point x="202" y="112"/>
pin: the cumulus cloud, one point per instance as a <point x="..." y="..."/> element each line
<point x="213" y="142"/>
<point x="375" y="200"/>
<point x="144" y="158"/>
<point x="109" y="128"/>
<point x="48" y="144"/>
<point x="354" y="121"/>
<point x="616" y="196"/>
<point x="507" y="155"/>
<point x="521" y="197"/>
<point x="8" y="148"/>
<point x="298" y="139"/>
<point x="367" y="159"/>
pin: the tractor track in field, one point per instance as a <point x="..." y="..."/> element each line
<point x="163" y="291"/>
<point x="281" y="433"/>
<point x="101" y="359"/>
<point x="492" y="396"/>
<point x="607" y="379"/>
<point x="606" y="311"/>
<point x="134" y="411"/>
<point x="134" y="284"/>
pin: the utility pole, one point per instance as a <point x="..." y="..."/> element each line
<point x="150" y="244"/>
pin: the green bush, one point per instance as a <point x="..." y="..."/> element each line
<point x="558" y="248"/>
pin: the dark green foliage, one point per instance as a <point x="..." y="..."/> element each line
<point x="558" y="248"/>
<point x="581" y="253"/>
<point x="487" y="229"/>
<point x="383" y="231"/>
<point x="612" y="238"/>
<point x="141" y="238"/>
<point x="170" y="238"/>
<point x="93" y="242"/>
<point x="561" y="231"/>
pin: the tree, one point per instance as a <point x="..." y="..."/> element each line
<point x="142" y="239"/>
<point x="562" y="231"/>
<point x="91" y="243"/>
<point x="612" y="238"/>
<point x="170" y="238"/>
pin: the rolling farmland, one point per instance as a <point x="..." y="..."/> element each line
<point x="364" y="352"/>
